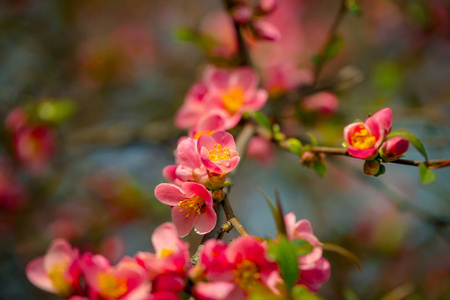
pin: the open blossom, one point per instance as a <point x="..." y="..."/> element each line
<point x="218" y="152"/>
<point x="192" y="206"/>
<point x="322" y="102"/>
<point x="189" y="165"/>
<point x="208" y="124"/>
<point x="315" y="270"/>
<point x="126" y="280"/>
<point x="172" y="254"/>
<point x="235" y="270"/>
<point x="364" y="139"/>
<point x="228" y="93"/>
<point x="58" y="271"/>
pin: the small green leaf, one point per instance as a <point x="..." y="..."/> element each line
<point x="282" y="225"/>
<point x="227" y="183"/>
<point x="426" y="175"/>
<point x="55" y="111"/>
<point x="410" y="137"/>
<point x="320" y="167"/>
<point x="284" y="254"/>
<point x="317" y="59"/>
<point x="294" y="145"/>
<point x="313" y="138"/>
<point x="302" y="247"/>
<point x="262" y="119"/>
<point x="342" y="251"/>
<point x="349" y="294"/>
<point x="333" y="47"/>
<point x="353" y="7"/>
<point x="186" y="35"/>
<point x="381" y="171"/>
<point x="279" y="221"/>
<point x="301" y="292"/>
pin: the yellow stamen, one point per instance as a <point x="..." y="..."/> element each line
<point x="219" y="153"/>
<point x="233" y="99"/>
<point x="56" y="275"/>
<point x="195" y="204"/>
<point x="110" y="286"/>
<point x="165" y="253"/>
<point x="362" y="138"/>
<point x="246" y="275"/>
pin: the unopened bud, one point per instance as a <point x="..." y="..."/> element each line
<point x="265" y="30"/>
<point x="371" y="167"/>
<point x="242" y="14"/>
<point x="265" y="7"/>
<point x="393" y="149"/>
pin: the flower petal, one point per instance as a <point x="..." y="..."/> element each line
<point x="169" y="194"/>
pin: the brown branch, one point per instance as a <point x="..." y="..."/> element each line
<point x="331" y="35"/>
<point x="232" y="218"/>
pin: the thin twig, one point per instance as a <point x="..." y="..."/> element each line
<point x="331" y="35"/>
<point x="232" y="218"/>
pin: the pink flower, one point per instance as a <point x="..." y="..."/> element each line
<point x="35" y="147"/>
<point x="265" y="30"/>
<point x="218" y="152"/>
<point x="244" y="266"/>
<point x="364" y="139"/>
<point x="393" y="149"/>
<point x="127" y="280"/>
<point x="282" y="77"/>
<point x="261" y="149"/>
<point x="384" y="119"/>
<point x="234" y="91"/>
<point x="265" y="7"/>
<point x="58" y="271"/>
<point x="172" y="254"/>
<point x="16" y="119"/>
<point x="194" y="106"/>
<point x="208" y="124"/>
<point x="323" y="102"/>
<point x="192" y="206"/>
<point x="12" y="193"/>
<point x="315" y="270"/>
<point x="190" y="167"/>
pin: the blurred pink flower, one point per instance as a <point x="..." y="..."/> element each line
<point x="192" y="206"/>
<point x="324" y="102"/>
<point x="261" y="149"/>
<point x="172" y="254"/>
<point x="58" y="271"/>
<point x="314" y="269"/>
<point x="127" y="280"/>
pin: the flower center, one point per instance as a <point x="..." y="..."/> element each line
<point x="233" y="99"/>
<point x="362" y="138"/>
<point x="195" y="204"/>
<point x="56" y="275"/>
<point x="219" y="153"/>
<point x="110" y="286"/>
<point x="246" y="275"/>
<point x="165" y="253"/>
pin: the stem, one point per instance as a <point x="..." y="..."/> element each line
<point x="332" y="33"/>
<point x="232" y="218"/>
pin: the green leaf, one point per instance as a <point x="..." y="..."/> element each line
<point x="410" y="137"/>
<point x="302" y="247"/>
<point x="426" y="175"/>
<point x="279" y="221"/>
<point x="381" y="171"/>
<point x="301" y="292"/>
<point x="333" y="47"/>
<point x="262" y="119"/>
<point x="186" y="35"/>
<point x="55" y="111"/>
<point x="282" y="225"/>
<point x="285" y="255"/>
<point x="294" y="145"/>
<point x="313" y="138"/>
<point x="320" y="167"/>
<point x="349" y="294"/>
<point x="353" y="7"/>
<point x="342" y="251"/>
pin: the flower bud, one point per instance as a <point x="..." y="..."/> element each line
<point x="242" y="14"/>
<point x="371" y="167"/>
<point x="265" y="7"/>
<point x="266" y="31"/>
<point x="393" y="148"/>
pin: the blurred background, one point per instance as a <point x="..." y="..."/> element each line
<point x="98" y="82"/>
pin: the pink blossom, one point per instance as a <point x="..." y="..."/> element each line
<point x="194" y="106"/>
<point x="127" y="280"/>
<point x="323" y="102"/>
<point x="393" y="149"/>
<point x="315" y="270"/>
<point x="364" y="139"/>
<point x="384" y="119"/>
<point x="209" y="123"/>
<point x="190" y="167"/>
<point x="218" y="152"/>
<point x="16" y="119"/>
<point x="172" y="254"/>
<point x="192" y="206"/>
<point x="242" y="14"/>
<point x="282" y="77"/>
<point x="35" y="147"/>
<point x="234" y="91"/>
<point x="58" y="271"/>
<point x="265" y="7"/>
<point x="261" y="149"/>
<point x="12" y="193"/>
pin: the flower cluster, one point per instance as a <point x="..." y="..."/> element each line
<point x="200" y="164"/>
<point x="365" y="139"/>
<point x="223" y="272"/>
